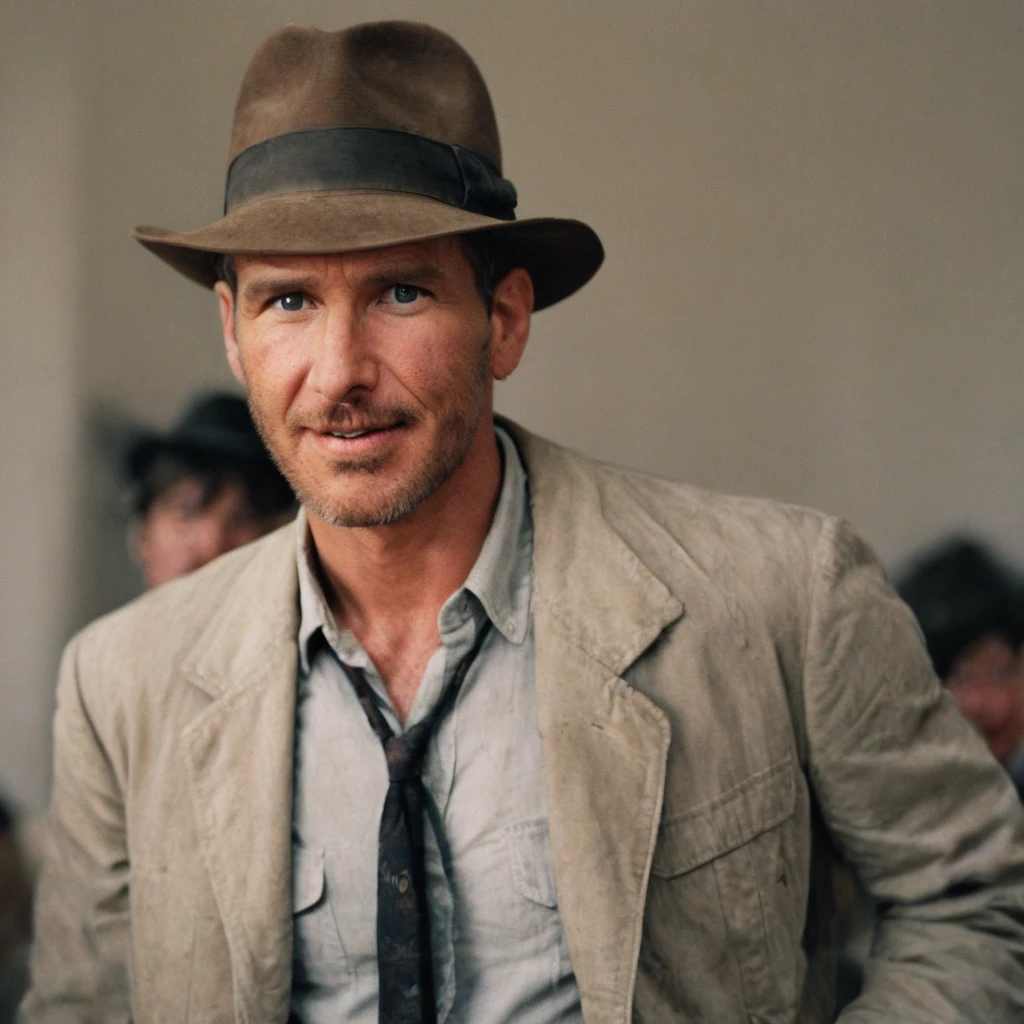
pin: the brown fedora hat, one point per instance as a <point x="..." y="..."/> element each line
<point x="372" y="136"/>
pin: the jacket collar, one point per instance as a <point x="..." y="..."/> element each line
<point x="597" y="608"/>
<point x="594" y="588"/>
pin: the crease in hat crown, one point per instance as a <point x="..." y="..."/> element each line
<point x="370" y="136"/>
<point x="399" y="75"/>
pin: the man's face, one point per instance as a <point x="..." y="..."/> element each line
<point x="987" y="684"/>
<point x="369" y="374"/>
<point x="182" y="530"/>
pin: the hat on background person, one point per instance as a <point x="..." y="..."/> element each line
<point x="371" y="136"/>
<point x="215" y="437"/>
<point x="214" y="423"/>
<point x="960" y="592"/>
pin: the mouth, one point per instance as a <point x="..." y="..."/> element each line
<point x="351" y="433"/>
<point x="355" y="433"/>
<point x="356" y="441"/>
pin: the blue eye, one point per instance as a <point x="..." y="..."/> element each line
<point x="405" y="293"/>
<point x="290" y="303"/>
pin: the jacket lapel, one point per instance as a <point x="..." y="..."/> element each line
<point x="597" y="608"/>
<point x="240" y="750"/>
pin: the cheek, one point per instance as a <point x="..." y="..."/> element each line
<point x="987" y="706"/>
<point x="164" y="547"/>
<point x="274" y="366"/>
<point x="439" y="369"/>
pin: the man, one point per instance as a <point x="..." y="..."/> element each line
<point x="204" y="488"/>
<point x="971" y="611"/>
<point x="502" y="734"/>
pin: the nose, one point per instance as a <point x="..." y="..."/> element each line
<point x="341" y="361"/>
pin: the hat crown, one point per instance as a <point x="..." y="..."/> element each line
<point x="395" y="75"/>
<point x="216" y="411"/>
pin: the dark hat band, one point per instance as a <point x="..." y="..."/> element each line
<point x="369" y="158"/>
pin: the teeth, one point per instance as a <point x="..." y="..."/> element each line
<point x="348" y="437"/>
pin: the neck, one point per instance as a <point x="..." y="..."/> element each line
<point x="384" y="578"/>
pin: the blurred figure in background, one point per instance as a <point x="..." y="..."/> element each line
<point x="971" y="610"/>
<point x="15" y="917"/>
<point x="203" y="489"/>
<point x="970" y="607"/>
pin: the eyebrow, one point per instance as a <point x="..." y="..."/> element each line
<point x="256" y="291"/>
<point x="413" y="273"/>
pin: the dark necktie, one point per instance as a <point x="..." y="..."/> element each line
<point x="403" y="922"/>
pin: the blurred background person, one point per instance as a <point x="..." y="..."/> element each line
<point x="970" y="606"/>
<point x="15" y="916"/>
<point x="202" y="489"/>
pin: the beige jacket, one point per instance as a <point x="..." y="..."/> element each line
<point x="727" y="692"/>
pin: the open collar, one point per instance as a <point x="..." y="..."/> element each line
<point x="501" y="578"/>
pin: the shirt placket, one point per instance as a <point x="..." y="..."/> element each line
<point x="439" y="775"/>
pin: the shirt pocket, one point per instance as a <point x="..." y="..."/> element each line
<point x="319" y="955"/>
<point x="719" y="873"/>
<point x="529" y="855"/>
<point x="530" y="922"/>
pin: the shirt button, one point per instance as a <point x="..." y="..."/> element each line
<point x="511" y="627"/>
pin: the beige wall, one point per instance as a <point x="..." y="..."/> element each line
<point x="813" y="217"/>
<point x="40" y="435"/>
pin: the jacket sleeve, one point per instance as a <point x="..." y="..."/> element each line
<point x="80" y="961"/>
<point x="924" y="815"/>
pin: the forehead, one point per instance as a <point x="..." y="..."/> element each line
<point x="446" y="255"/>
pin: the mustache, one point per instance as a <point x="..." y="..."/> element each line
<point x="357" y="415"/>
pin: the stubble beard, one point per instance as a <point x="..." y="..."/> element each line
<point x="457" y="432"/>
<point x="455" y="439"/>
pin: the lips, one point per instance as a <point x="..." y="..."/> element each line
<point x="355" y="442"/>
<point x="350" y="433"/>
<point x="354" y="434"/>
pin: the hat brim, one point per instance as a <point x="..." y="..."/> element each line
<point x="560" y="255"/>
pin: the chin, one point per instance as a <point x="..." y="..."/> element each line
<point x="363" y="510"/>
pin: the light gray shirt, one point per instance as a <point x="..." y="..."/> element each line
<point x="499" y="949"/>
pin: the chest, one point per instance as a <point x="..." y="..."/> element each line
<point x="490" y="878"/>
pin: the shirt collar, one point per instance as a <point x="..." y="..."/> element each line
<point x="315" y="616"/>
<point x="501" y="578"/>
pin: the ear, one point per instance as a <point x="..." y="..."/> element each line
<point x="226" y="300"/>
<point x="510" y="321"/>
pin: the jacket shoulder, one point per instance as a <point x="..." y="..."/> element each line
<point x="151" y="636"/>
<point x="695" y="517"/>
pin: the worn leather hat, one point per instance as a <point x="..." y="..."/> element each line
<point x="372" y="136"/>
